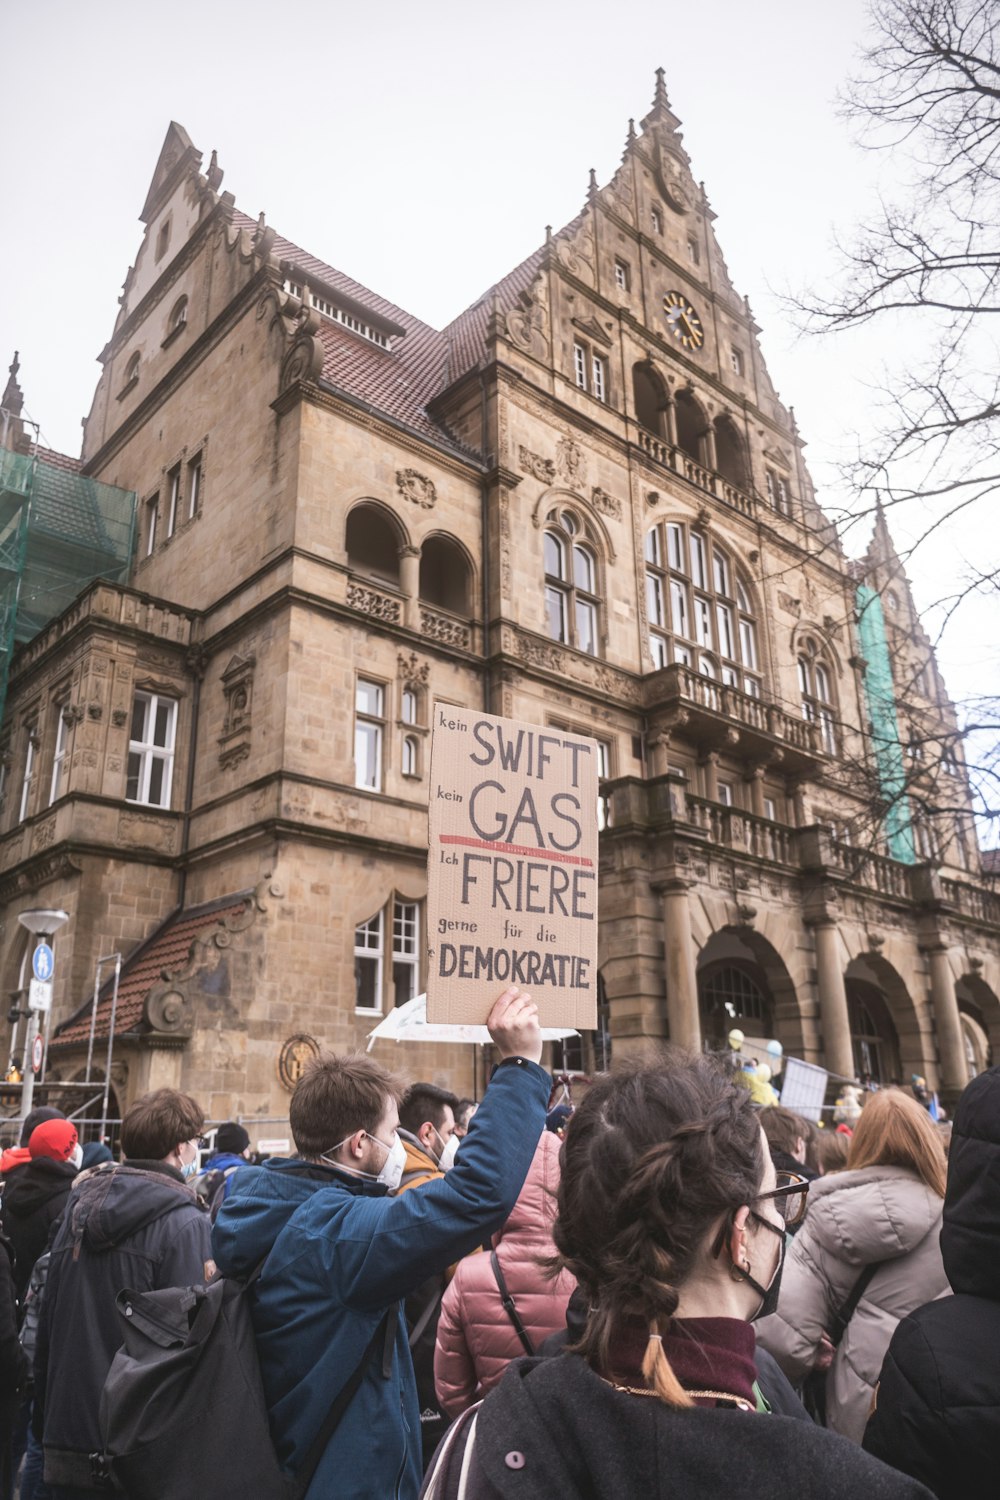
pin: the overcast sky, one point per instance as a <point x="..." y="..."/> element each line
<point x="422" y="150"/>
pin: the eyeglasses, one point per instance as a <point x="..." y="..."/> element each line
<point x="791" y="1198"/>
<point x="202" y="1142"/>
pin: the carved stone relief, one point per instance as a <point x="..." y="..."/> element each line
<point x="413" y="673"/>
<point x="607" y="505"/>
<point x="416" y="487"/>
<point x="371" y="602"/>
<point x="539" y="468"/>
<point x="237" y="687"/>
<point x="571" y="461"/>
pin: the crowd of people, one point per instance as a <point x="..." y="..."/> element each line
<point x="667" y="1289"/>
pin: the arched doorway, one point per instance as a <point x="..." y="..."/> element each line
<point x="886" y="1036"/>
<point x="743" y="983"/>
<point x="979" y="1013"/>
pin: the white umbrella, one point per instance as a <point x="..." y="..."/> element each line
<point x="409" y="1023"/>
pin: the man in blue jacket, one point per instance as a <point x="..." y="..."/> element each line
<point x="341" y="1252"/>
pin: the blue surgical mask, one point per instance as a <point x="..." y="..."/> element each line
<point x="189" y="1168"/>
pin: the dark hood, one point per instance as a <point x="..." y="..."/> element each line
<point x="262" y="1201"/>
<point x="34" y="1184"/>
<point x="112" y="1202"/>
<point x="971" y="1228"/>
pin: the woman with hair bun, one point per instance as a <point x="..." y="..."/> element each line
<point x="869" y="1253"/>
<point x="673" y="1221"/>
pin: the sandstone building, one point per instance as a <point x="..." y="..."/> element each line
<point x="581" y="503"/>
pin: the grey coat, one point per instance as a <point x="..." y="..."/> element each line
<point x="856" y="1218"/>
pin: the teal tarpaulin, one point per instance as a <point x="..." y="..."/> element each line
<point x="881" y="697"/>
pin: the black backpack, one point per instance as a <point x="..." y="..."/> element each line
<point x="183" y="1410"/>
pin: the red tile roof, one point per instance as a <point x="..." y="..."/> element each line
<point x="420" y="362"/>
<point x="58" y="460"/>
<point x="165" y="952"/>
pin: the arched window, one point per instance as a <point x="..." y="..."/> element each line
<point x="691" y="425"/>
<point x="729" y="995"/>
<point x="178" y="315"/>
<point x="410" y="756"/>
<point x="571" y="594"/>
<point x="647" y="392"/>
<point x="730" y="452"/>
<point x="700" y="612"/>
<point x="373" y="544"/>
<point x="132" y="369"/>
<point x="816" y="689"/>
<point x="445" y="575"/>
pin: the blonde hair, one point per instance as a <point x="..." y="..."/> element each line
<point x="895" y="1131"/>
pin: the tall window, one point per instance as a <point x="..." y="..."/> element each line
<point x="656" y="221"/>
<point x="194" y="486"/>
<point x="369" y="734"/>
<point x="621" y="275"/>
<point x="693" y="252"/>
<point x="151" y="750"/>
<point x="590" y="371"/>
<point x="571" y="599"/>
<point x="700" y="612"/>
<point x="778" y="492"/>
<point x="816" y="688"/>
<point x="369" y="956"/>
<point x="736" y="360"/>
<point x="28" y="781"/>
<point x="173" y="498"/>
<point x="152" y="506"/>
<point x="59" y="758"/>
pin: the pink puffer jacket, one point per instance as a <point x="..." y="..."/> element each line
<point x="476" y="1339"/>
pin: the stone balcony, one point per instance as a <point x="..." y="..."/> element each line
<point x="668" y="456"/>
<point x="709" y="712"/>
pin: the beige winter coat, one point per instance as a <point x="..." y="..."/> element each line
<point x="855" y="1219"/>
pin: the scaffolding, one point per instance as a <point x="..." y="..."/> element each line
<point x="880" y="694"/>
<point x="59" y="531"/>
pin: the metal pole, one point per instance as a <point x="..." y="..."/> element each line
<point x="28" y="1076"/>
<point x="93" y="1018"/>
<point x="111" y="1046"/>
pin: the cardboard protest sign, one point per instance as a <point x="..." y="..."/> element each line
<point x="512" y="868"/>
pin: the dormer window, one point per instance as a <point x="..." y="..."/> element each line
<point x="341" y="315"/>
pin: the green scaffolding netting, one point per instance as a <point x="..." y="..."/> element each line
<point x="880" y="694"/>
<point x="59" y="531"/>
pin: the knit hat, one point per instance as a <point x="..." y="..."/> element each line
<point x="37" y="1117"/>
<point x="94" y="1153"/>
<point x="231" y="1138"/>
<point x="54" y="1139"/>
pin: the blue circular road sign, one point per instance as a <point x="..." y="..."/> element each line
<point x="42" y="962"/>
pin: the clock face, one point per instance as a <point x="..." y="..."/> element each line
<point x="683" y="323"/>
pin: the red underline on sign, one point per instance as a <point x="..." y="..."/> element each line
<point x="558" y="859"/>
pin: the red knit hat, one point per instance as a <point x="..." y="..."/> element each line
<point x="53" y="1138"/>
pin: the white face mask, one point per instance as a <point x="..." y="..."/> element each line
<point x="76" y="1156"/>
<point x="449" y="1149"/>
<point x="392" y="1169"/>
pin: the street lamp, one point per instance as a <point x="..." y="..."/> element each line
<point x="41" y="923"/>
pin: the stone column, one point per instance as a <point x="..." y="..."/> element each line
<point x="711" y="764"/>
<point x="711" y="459"/>
<point x="670" y="413"/>
<point x="682" y="984"/>
<point x="756" y="779"/>
<point x="833" y="1001"/>
<point x="409" y="584"/>
<point x="951" y="1042"/>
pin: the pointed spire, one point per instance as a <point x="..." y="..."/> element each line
<point x="12" y="400"/>
<point x="661" y="103"/>
<point x="215" y="173"/>
<point x="592" y="185"/>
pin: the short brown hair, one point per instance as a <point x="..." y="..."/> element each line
<point x="337" y="1096"/>
<point x="895" y="1131"/>
<point x="158" y="1122"/>
<point x="783" y="1128"/>
<point x="832" y="1150"/>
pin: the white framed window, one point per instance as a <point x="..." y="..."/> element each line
<point x="151" y="750"/>
<point x="656" y="220"/>
<point x="778" y="492"/>
<point x="194" y="486"/>
<point x="369" y="734"/>
<point x="341" y="315"/>
<point x="28" y="780"/>
<point x="402" y="921"/>
<point x="580" y="366"/>
<point x="816" y="690"/>
<point x="405" y="951"/>
<point x="178" y="315"/>
<point x="719" y="617"/>
<point x="152" y="508"/>
<point x="571" y="598"/>
<point x="597" y="384"/>
<point x="132" y="368"/>
<point x="173" y="498"/>
<point x="368" y="961"/>
<point x="410" y="759"/>
<point x="736" y="361"/>
<point x="59" y="757"/>
<point x="408" y="706"/>
<point x="621" y="275"/>
<point x="726" y="793"/>
<point x="770" y="811"/>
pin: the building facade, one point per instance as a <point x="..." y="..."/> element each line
<point x="581" y="503"/>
